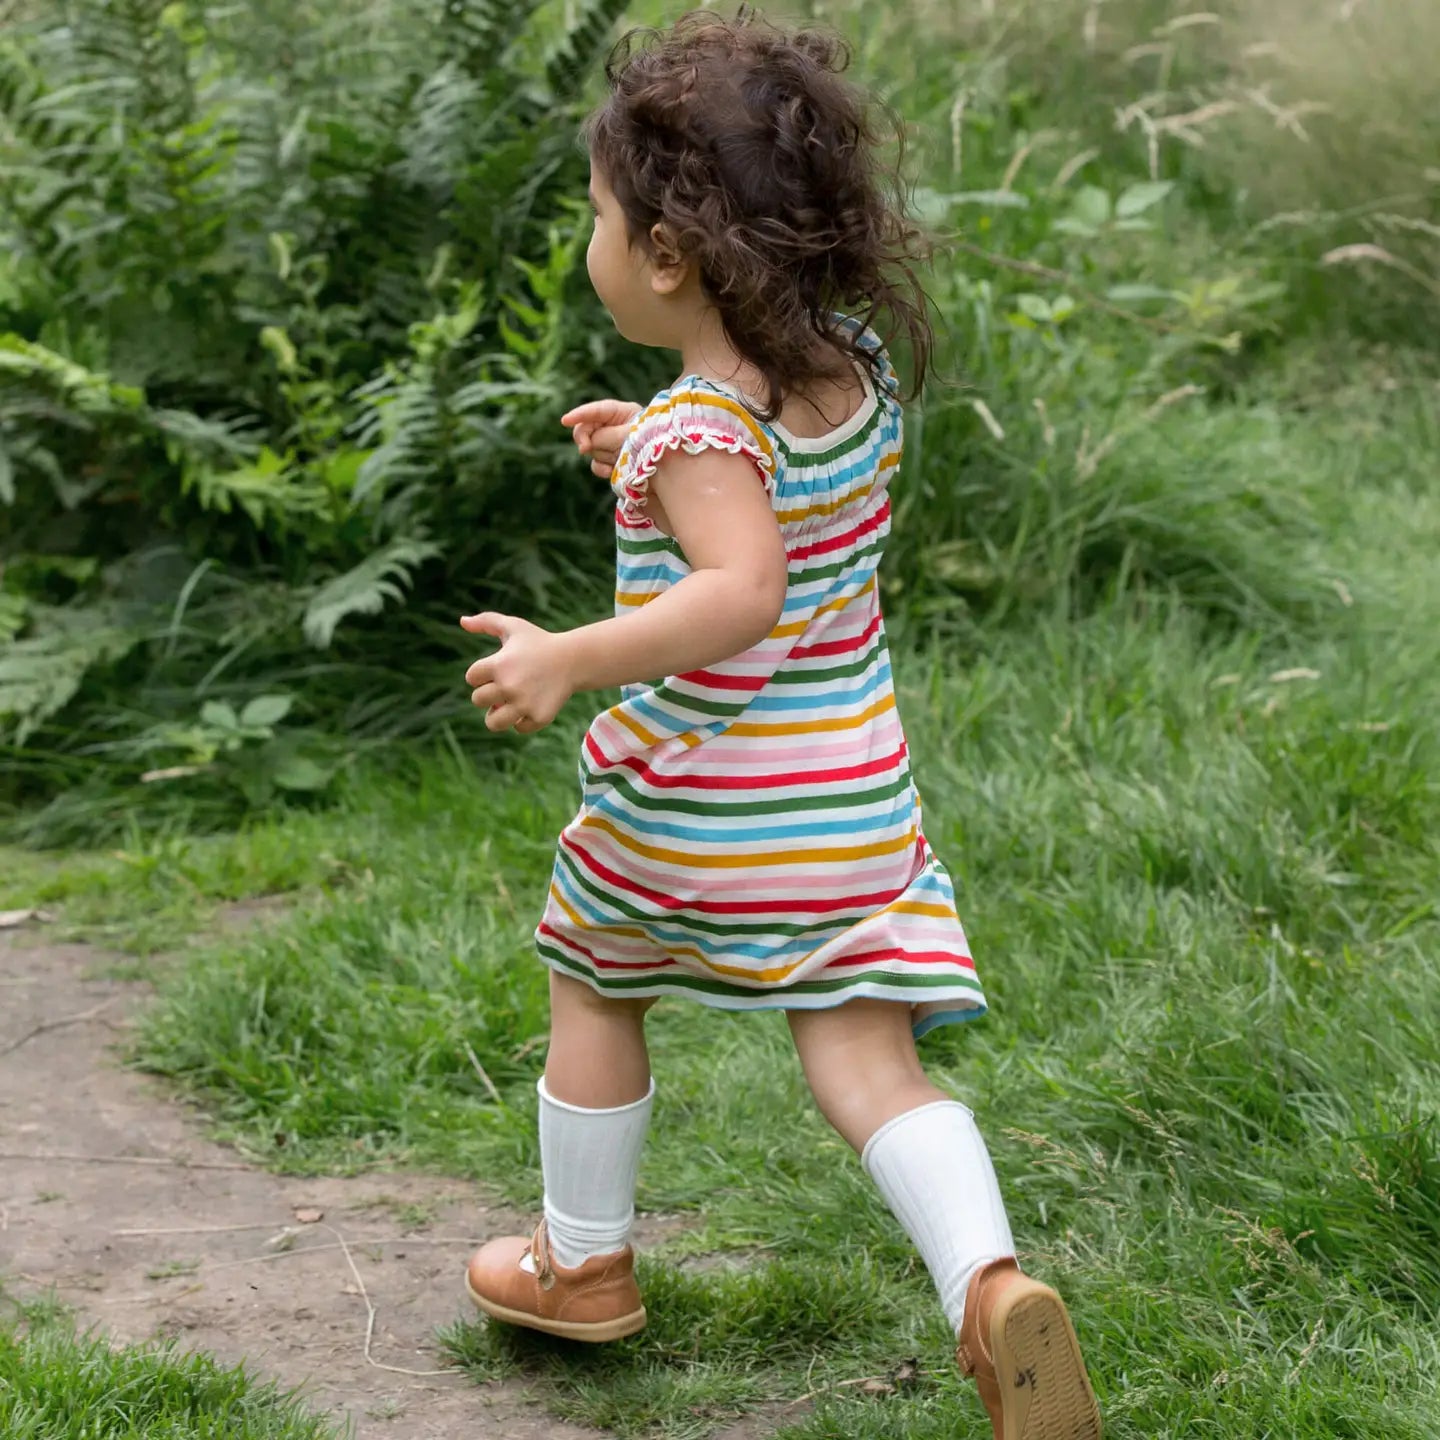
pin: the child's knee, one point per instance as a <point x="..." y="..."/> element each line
<point x="575" y="996"/>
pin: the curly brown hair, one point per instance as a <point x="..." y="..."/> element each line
<point x="764" y="165"/>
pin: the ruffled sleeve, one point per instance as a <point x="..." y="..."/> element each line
<point x="692" y="418"/>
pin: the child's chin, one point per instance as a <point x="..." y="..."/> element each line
<point x="637" y="334"/>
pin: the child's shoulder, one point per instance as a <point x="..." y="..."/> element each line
<point x="695" y="403"/>
<point x="696" y="414"/>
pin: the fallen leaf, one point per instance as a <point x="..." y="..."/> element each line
<point x="308" y="1214"/>
<point x="11" y="919"/>
<point x="907" y="1372"/>
<point x="877" y="1387"/>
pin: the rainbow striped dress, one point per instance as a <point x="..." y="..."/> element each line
<point x="749" y="834"/>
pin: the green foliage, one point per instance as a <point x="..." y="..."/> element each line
<point x="364" y="589"/>
<point x="40" y="674"/>
<point x="293" y="298"/>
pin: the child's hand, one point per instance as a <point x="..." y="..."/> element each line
<point x="600" y="428"/>
<point x="526" y="681"/>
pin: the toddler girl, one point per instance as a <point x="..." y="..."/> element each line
<point x="749" y="833"/>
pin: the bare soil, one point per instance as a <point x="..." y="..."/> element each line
<point x="112" y="1197"/>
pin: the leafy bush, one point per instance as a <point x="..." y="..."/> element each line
<point x="291" y="304"/>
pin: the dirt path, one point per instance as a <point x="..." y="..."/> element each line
<point x="196" y="1245"/>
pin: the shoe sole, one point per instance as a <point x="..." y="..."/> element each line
<point x="1045" y="1393"/>
<point x="591" y="1332"/>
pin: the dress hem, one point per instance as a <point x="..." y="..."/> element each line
<point x="968" y="1004"/>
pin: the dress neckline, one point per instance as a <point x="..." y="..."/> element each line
<point x="814" y="444"/>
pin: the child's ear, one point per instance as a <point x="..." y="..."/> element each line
<point x="668" y="267"/>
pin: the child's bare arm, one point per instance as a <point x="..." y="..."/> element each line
<point x="731" y="600"/>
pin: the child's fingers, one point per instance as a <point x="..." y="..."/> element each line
<point x="592" y="412"/>
<point x="502" y="717"/>
<point x="603" y="468"/>
<point x="609" y="439"/>
<point x="601" y="413"/>
<point x="485" y="696"/>
<point x="487" y="623"/>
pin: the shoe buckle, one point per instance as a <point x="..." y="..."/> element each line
<point x="540" y="1255"/>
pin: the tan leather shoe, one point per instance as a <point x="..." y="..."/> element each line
<point x="596" y="1301"/>
<point x="1018" y="1343"/>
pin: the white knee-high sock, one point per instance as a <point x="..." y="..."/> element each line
<point x="590" y="1159"/>
<point x="933" y="1169"/>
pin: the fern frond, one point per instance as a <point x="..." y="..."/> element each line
<point x="40" y="674"/>
<point x="573" y="58"/>
<point x="477" y="34"/>
<point x="220" y="437"/>
<point x="270" y="490"/>
<point x="364" y="589"/>
<point x="143" y="41"/>
<point x="437" y="139"/>
<point x="24" y="363"/>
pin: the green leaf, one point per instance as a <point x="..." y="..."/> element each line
<point x="580" y="45"/>
<point x="364" y="589"/>
<point x="219" y="714"/>
<point x="279" y="344"/>
<point x="293" y="771"/>
<point x="1037" y="307"/>
<point x="1091" y="206"/>
<point x="265" y="710"/>
<point x="14" y="610"/>
<point x="271" y="486"/>
<point x="1138" y="198"/>
<point x="342" y="469"/>
<point x="281" y="254"/>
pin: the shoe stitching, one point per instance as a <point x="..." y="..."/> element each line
<point x="604" y="1279"/>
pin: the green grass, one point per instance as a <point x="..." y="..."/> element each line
<point x="1198" y="865"/>
<point x="56" y="1384"/>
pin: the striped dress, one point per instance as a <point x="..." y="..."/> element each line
<point x="749" y="834"/>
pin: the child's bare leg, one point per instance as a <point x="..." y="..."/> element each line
<point x="926" y="1155"/>
<point x="597" y="1059"/>
<point x="921" y="1147"/>
<point x="594" y="1112"/>
<point x="862" y="1067"/>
